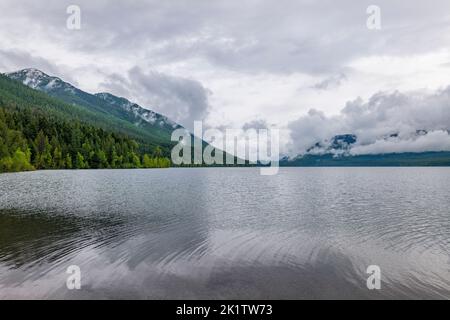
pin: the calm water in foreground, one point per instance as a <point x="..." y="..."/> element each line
<point x="226" y="233"/>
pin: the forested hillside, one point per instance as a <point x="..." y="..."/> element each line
<point x="39" y="132"/>
<point x="103" y="110"/>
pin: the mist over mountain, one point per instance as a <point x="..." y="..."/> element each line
<point x="387" y="123"/>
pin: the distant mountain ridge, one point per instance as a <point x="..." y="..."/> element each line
<point x="337" y="152"/>
<point x="406" y="159"/>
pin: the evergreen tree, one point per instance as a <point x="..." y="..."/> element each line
<point x="68" y="161"/>
<point x="80" y="164"/>
<point x="158" y="152"/>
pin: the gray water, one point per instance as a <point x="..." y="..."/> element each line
<point x="226" y="233"/>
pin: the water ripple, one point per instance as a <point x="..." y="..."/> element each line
<point x="226" y="233"/>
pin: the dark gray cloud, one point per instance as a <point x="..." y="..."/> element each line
<point x="248" y="36"/>
<point x="182" y="100"/>
<point x="256" y="124"/>
<point x="331" y="82"/>
<point x="12" y="60"/>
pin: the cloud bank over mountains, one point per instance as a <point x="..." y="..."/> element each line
<point x="386" y="123"/>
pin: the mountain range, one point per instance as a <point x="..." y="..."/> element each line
<point x="153" y="130"/>
<point x="29" y="91"/>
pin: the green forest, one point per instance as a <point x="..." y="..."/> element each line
<point x="30" y="140"/>
<point x="40" y="132"/>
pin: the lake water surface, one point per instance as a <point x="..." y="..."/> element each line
<point x="226" y="233"/>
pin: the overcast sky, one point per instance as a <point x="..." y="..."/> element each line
<point x="312" y="67"/>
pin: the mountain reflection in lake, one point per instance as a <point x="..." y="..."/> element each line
<point x="226" y="233"/>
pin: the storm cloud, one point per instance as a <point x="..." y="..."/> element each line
<point x="254" y="36"/>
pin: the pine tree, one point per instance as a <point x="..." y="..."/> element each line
<point x="80" y="164"/>
<point x="68" y="161"/>
<point x="58" y="161"/>
<point x="158" y="152"/>
<point x="136" y="162"/>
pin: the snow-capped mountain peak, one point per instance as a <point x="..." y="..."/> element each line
<point x="39" y="80"/>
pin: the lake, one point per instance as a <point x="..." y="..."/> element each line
<point x="226" y="233"/>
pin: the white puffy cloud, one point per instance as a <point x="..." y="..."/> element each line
<point x="438" y="140"/>
<point x="387" y="122"/>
